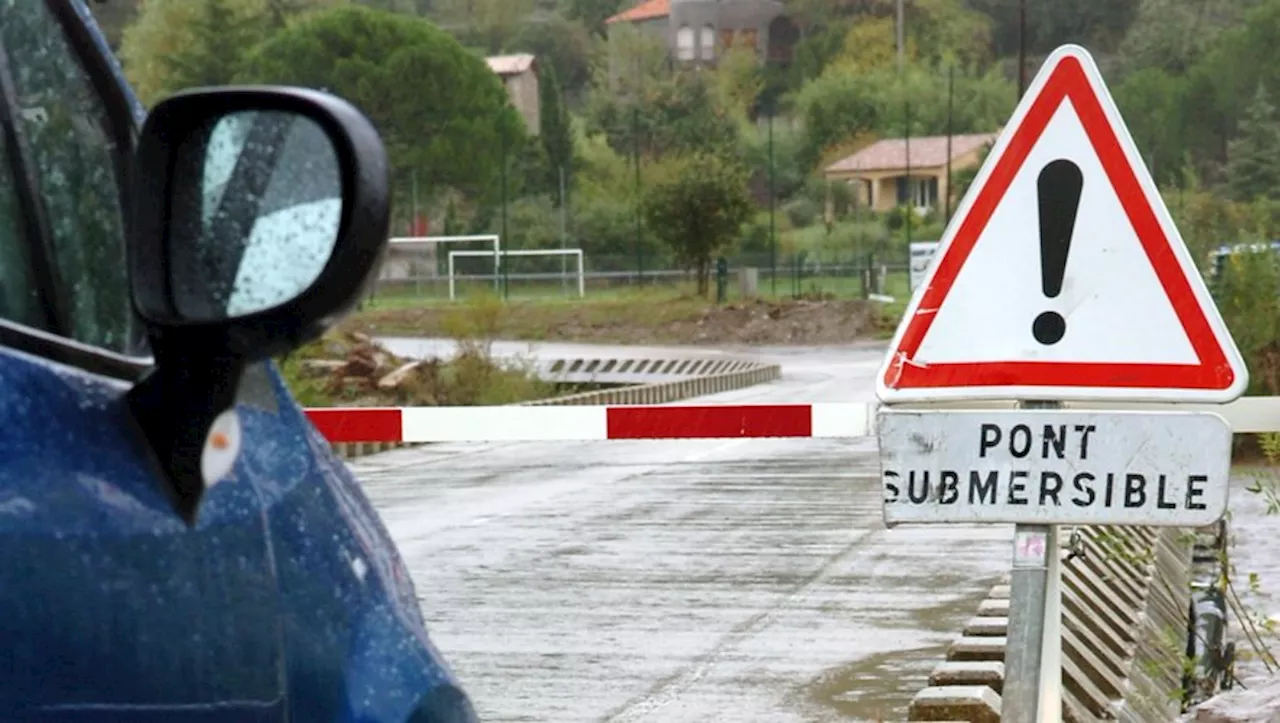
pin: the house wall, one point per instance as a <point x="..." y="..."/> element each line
<point x="522" y="88"/>
<point x="723" y="15"/>
<point x="878" y="190"/>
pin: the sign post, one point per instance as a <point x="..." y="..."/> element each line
<point x="1061" y="280"/>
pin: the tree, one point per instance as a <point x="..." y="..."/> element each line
<point x="557" y="135"/>
<point x="660" y="115"/>
<point x="1253" y="158"/>
<point x="836" y="107"/>
<point x="697" y="205"/>
<point x="442" y="113"/>
<point x="1174" y="34"/>
<point x="219" y="34"/>
<point x="173" y="44"/>
<point x="1151" y="101"/>
<point x="592" y="13"/>
<point x="490" y="24"/>
<point x="562" y="43"/>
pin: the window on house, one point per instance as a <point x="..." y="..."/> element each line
<point x="685" y="49"/>
<point x="708" y="43"/>
<point x="919" y="192"/>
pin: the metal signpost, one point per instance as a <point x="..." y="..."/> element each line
<point x="1061" y="279"/>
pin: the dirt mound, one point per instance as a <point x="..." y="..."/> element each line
<point x="792" y="322"/>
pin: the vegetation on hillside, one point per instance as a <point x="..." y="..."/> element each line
<point x="623" y="125"/>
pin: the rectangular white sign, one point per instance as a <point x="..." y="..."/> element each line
<point x="921" y="256"/>
<point x="1054" y="467"/>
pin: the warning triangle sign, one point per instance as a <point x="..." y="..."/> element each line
<point x="1062" y="276"/>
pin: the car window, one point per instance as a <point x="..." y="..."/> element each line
<point x="19" y="298"/>
<point x="64" y="125"/>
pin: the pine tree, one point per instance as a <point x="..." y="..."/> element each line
<point x="557" y="136"/>
<point x="1253" y="158"/>
<point x="220" y="34"/>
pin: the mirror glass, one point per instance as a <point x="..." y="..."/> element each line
<point x="256" y="208"/>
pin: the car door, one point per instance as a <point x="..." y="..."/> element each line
<point x="114" y="609"/>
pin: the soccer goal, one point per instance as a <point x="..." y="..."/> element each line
<point x="582" y="276"/>
<point x="429" y="243"/>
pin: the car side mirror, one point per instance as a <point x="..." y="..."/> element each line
<point x="260" y="217"/>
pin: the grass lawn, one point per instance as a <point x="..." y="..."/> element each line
<point x="669" y="314"/>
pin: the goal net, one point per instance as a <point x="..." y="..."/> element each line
<point x="532" y="271"/>
<point x="417" y="264"/>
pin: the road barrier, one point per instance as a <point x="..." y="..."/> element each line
<point x="361" y="431"/>
<point x="350" y="428"/>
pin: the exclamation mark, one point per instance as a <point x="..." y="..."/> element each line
<point x="1058" y="189"/>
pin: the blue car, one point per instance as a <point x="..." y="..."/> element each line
<point x="177" y="542"/>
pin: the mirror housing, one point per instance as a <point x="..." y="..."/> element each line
<point x="199" y="361"/>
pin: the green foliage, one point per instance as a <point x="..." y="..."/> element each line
<point x="1253" y="165"/>
<point x="1151" y="102"/>
<point x="593" y="13"/>
<point x="802" y="212"/>
<point x="174" y="44"/>
<point x="440" y="110"/>
<point x="981" y="103"/>
<point x="697" y="205"/>
<point x="557" y="133"/>
<point x="791" y="163"/>
<point x="488" y="24"/>
<point x="678" y="114"/>
<point x="835" y="107"/>
<point x="562" y="44"/>
<point x="1247" y="293"/>
<point x="839" y="106"/>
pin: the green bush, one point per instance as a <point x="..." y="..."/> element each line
<point x="1247" y="292"/>
<point x="802" y="212"/>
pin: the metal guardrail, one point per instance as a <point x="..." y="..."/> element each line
<point x="1124" y="607"/>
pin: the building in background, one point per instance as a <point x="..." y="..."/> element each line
<point x="519" y="75"/>
<point x="879" y="172"/>
<point x="699" y="31"/>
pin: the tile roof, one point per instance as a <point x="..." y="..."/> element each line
<point x="647" y="10"/>
<point x="926" y="152"/>
<point x="510" y="64"/>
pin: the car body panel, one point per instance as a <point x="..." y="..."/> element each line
<point x="286" y="601"/>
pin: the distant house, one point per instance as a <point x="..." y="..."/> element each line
<point x="879" y="172"/>
<point x="519" y="74"/>
<point x="698" y="31"/>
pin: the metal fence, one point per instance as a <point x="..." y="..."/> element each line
<point x="793" y="276"/>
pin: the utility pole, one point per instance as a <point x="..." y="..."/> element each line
<point x="901" y="35"/>
<point x="951" y="87"/>
<point x="506" y="240"/>
<point x="564" y="238"/>
<point x="773" y="239"/>
<point x="635" y="141"/>
<point x="911" y="200"/>
<point x="1022" y="47"/>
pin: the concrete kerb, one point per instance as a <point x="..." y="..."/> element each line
<point x="741" y="374"/>
<point x="1122" y="619"/>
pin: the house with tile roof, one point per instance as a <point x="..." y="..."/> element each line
<point x="885" y="175"/>
<point x="698" y="31"/>
<point x="519" y="74"/>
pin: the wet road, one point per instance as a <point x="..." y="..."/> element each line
<point x="739" y="580"/>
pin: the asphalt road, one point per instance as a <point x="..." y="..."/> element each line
<point x="739" y="580"/>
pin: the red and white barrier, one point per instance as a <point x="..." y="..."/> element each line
<point x="584" y="423"/>
<point x="578" y="423"/>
